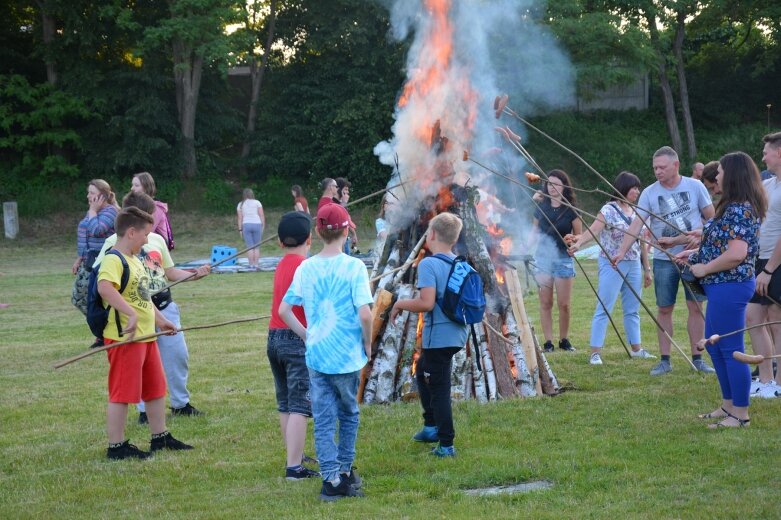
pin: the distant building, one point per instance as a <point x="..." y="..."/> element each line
<point x="625" y="97"/>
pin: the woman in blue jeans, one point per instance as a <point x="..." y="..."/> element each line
<point x="724" y="264"/>
<point x="630" y="275"/>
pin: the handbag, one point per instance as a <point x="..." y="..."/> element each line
<point x="691" y="282"/>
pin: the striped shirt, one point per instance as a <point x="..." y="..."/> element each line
<point x="93" y="231"/>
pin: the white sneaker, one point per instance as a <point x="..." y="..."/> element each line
<point x="756" y="385"/>
<point x="595" y="359"/>
<point x="768" y="390"/>
<point x="642" y="354"/>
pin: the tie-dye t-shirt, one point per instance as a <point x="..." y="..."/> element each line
<point x="331" y="290"/>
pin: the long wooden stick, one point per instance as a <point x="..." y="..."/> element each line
<point x="650" y="314"/>
<point x="269" y="239"/>
<point x="148" y="337"/>
<point x="395" y="269"/>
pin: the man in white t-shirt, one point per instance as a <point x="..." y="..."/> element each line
<point x="762" y="309"/>
<point x="672" y="207"/>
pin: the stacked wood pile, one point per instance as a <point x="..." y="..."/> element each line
<point x="512" y="364"/>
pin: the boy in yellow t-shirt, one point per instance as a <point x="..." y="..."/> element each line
<point x="135" y="370"/>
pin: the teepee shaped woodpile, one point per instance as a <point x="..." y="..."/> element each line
<point x="512" y="364"/>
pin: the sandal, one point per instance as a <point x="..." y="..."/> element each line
<point x="714" y="415"/>
<point x="742" y="423"/>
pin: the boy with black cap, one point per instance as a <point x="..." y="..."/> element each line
<point x="286" y="351"/>
<point x="334" y="291"/>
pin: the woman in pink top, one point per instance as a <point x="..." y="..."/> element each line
<point x="144" y="183"/>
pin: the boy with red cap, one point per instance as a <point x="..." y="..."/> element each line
<point x="333" y="288"/>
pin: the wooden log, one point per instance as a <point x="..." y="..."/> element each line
<point x="404" y="383"/>
<point x="547" y="379"/>
<point x="382" y="300"/>
<point x="478" y="377"/>
<point x="525" y="380"/>
<point x="380" y="384"/>
<point x="408" y="261"/>
<point x="488" y="364"/>
<point x="515" y="292"/>
<point x="458" y="370"/>
<point x="505" y="383"/>
<point x="392" y="263"/>
<point x="472" y="234"/>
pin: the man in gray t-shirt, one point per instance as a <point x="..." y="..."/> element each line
<point x="671" y="205"/>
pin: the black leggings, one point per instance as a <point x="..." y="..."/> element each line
<point x="433" y="373"/>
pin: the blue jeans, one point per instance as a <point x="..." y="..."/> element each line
<point x="610" y="285"/>
<point x="666" y="279"/>
<point x="334" y="397"/>
<point x="726" y="312"/>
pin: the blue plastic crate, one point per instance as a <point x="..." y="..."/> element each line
<point x="222" y="252"/>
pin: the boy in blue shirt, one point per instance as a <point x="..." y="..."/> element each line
<point x="333" y="288"/>
<point x="442" y="337"/>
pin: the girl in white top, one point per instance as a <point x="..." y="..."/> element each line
<point x="251" y="221"/>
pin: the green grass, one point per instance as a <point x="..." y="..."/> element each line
<point x="619" y="444"/>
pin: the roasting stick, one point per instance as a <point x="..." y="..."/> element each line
<point x="148" y="337"/>
<point x="650" y="314"/>
<point x="269" y="239"/>
<point x="500" y="106"/>
<point x="716" y="337"/>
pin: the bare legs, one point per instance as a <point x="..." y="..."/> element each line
<point x="293" y="428"/>
<point x="563" y="288"/>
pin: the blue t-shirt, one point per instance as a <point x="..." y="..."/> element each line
<point x="331" y="290"/>
<point x="433" y="272"/>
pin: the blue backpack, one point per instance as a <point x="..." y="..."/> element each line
<point x="463" y="301"/>
<point x="97" y="315"/>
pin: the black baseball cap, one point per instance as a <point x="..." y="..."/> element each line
<point x="294" y="228"/>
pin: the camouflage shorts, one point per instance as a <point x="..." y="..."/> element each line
<point x="79" y="295"/>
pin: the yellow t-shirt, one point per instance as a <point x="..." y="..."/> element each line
<point x="154" y="257"/>
<point x="136" y="293"/>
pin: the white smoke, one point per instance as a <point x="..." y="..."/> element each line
<point x="498" y="46"/>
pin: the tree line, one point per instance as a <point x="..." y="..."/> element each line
<point x="108" y="88"/>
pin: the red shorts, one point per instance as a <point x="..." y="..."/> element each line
<point x="135" y="372"/>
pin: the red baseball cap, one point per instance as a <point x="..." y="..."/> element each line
<point x="333" y="216"/>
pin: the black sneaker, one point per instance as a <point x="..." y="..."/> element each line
<point x="548" y="346"/>
<point x="168" y="442"/>
<point x="97" y="343"/>
<point x="126" y="451"/>
<point x="142" y="418"/>
<point x="352" y="478"/>
<point x="300" y="473"/>
<point x="331" y="493"/>
<point x="564" y="344"/>
<point x="187" y="409"/>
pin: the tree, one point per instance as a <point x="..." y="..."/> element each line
<point x="255" y="25"/>
<point x="194" y="32"/>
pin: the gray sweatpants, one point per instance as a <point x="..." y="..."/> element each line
<point x="175" y="358"/>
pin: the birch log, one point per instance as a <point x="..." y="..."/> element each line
<point x="381" y="382"/>
<point x="458" y="371"/>
<point x="488" y="365"/>
<point x="524" y="379"/>
<point x="478" y="377"/>
<point x="473" y="232"/>
<point x="410" y="258"/>
<point x="391" y="264"/>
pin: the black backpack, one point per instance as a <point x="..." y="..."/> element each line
<point x="97" y="315"/>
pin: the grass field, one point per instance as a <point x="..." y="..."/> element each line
<point x="618" y="444"/>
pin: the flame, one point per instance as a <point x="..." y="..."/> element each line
<point x="500" y="275"/>
<point x="506" y="246"/>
